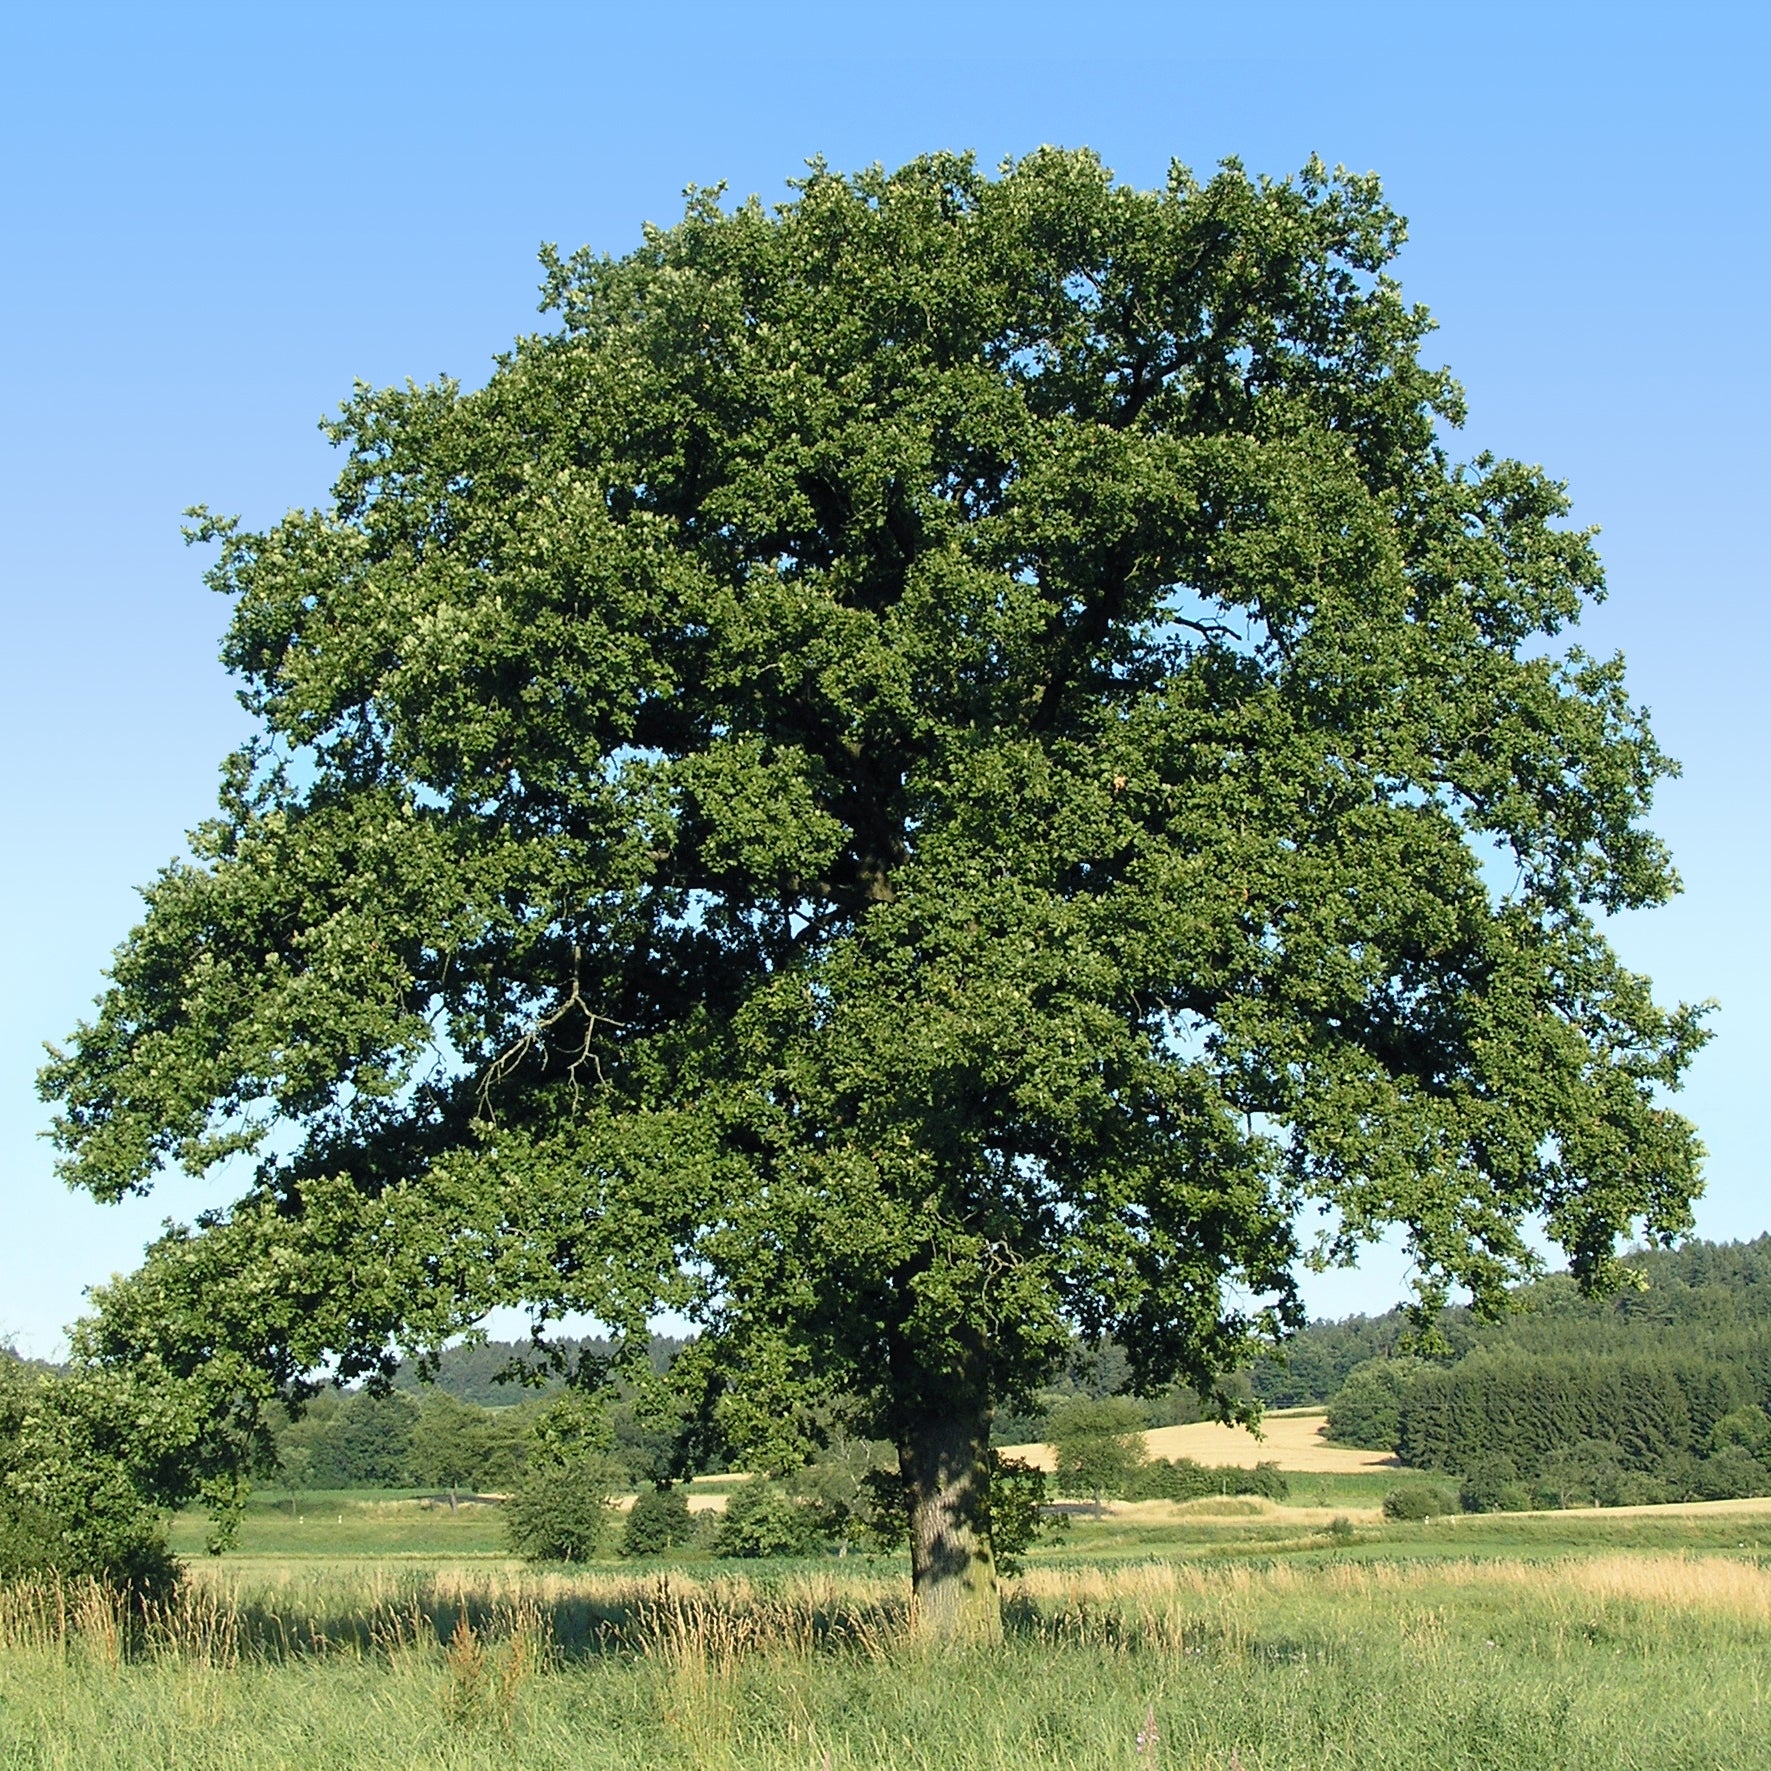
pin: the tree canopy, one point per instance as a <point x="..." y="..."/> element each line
<point x="936" y="766"/>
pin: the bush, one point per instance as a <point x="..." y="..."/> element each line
<point x="1181" y="1479"/>
<point x="67" y="1506"/>
<point x="1420" y="1501"/>
<point x="658" y="1521"/>
<point x="1492" y="1485"/>
<point x="1265" y="1479"/>
<point x="560" y="1511"/>
<point x="1177" y="1479"/>
<point x="762" y="1519"/>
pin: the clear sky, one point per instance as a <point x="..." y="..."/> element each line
<point x="215" y="217"/>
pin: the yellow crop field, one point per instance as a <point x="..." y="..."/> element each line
<point x="1293" y="1438"/>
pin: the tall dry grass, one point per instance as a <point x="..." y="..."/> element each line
<point x="1617" y="1661"/>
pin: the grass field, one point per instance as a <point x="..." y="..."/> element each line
<point x="371" y="1633"/>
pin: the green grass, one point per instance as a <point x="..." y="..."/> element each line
<point x="1361" y="1490"/>
<point x="1622" y="1661"/>
<point x="1534" y="1537"/>
<point x="352" y="1522"/>
<point x="1569" y="1643"/>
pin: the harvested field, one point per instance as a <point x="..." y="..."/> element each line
<point x="1211" y="1506"/>
<point x="1293" y="1438"/>
<point x="1756" y="1506"/>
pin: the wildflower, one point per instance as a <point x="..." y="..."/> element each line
<point x="1148" y="1735"/>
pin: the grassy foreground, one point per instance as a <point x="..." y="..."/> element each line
<point x="1623" y="1660"/>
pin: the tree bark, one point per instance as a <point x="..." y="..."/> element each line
<point x="945" y="1460"/>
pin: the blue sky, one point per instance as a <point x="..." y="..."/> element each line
<point x="214" y="218"/>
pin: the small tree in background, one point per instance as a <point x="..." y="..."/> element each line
<point x="561" y="1509"/>
<point x="1584" y="1474"/>
<point x="840" y="1483"/>
<point x="763" y="1519"/>
<point x="1367" y="1410"/>
<point x="1749" y="1428"/>
<point x="295" y="1470"/>
<point x="374" y="1438"/>
<point x="1491" y="1485"/>
<point x="456" y="1445"/>
<point x="1099" y="1442"/>
<point x="659" y="1520"/>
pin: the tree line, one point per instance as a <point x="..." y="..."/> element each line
<point x="431" y="1438"/>
<point x="1661" y="1393"/>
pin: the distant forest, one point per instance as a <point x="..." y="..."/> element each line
<point x="1653" y="1395"/>
<point x="1658" y="1394"/>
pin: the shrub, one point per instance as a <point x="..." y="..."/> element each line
<point x="762" y="1519"/>
<point x="68" y="1507"/>
<point x="1420" y="1501"/>
<point x="1165" y="1479"/>
<point x="1181" y="1479"/>
<point x="560" y="1511"/>
<point x="1492" y="1485"/>
<point x="658" y="1521"/>
<point x="1265" y="1479"/>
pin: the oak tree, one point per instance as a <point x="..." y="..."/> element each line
<point x="930" y="769"/>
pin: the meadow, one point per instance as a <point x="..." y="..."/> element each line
<point x="1230" y="1634"/>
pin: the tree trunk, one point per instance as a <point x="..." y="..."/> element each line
<point x="945" y="1459"/>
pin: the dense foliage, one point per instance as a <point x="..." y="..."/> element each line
<point x="502" y="1374"/>
<point x="69" y="1505"/>
<point x="427" y="1436"/>
<point x="762" y="1519"/>
<point x="561" y="1510"/>
<point x="1656" y="1394"/>
<point x="919" y="777"/>
<point x="1099" y="1444"/>
<point x="659" y="1520"/>
<point x="1181" y="1478"/>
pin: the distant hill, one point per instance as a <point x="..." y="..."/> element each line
<point x="491" y="1374"/>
